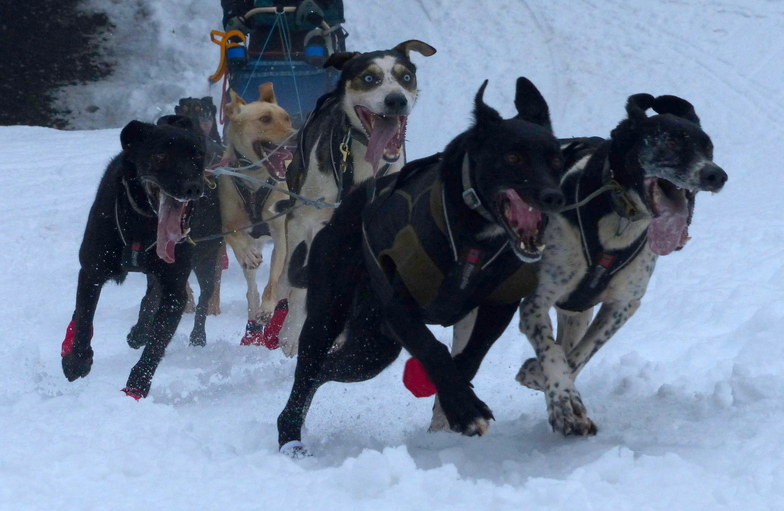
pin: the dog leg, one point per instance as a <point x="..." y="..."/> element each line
<point x="571" y="328"/>
<point x="165" y="323"/>
<point x="213" y="308"/>
<point x="252" y="294"/>
<point x="300" y="232"/>
<point x="328" y="306"/>
<point x="270" y="295"/>
<point x="461" y="333"/>
<point x="139" y="333"/>
<point x="77" y="359"/>
<point x="466" y="413"/>
<point x="611" y="317"/>
<point x="205" y="273"/>
<point x="565" y="408"/>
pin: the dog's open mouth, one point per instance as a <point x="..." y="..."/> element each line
<point x="173" y="220"/>
<point x="274" y="156"/>
<point x="670" y="205"/>
<point x="386" y="134"/>
<point x="524" y="224"/>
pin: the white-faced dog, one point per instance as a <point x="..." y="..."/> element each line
<point x="635" y="196"/>
<point x="355" y="132"/>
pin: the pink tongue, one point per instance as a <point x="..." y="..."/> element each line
<point x="668" y="231"/>
<point x="521" y="217"/>
<point x="170" y="213"/>
<point x="384" y="130"/>
<point x="277" y="161"/>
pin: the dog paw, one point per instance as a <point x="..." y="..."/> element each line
<point x="530" y="375"/>
<point x="137" y="337"/>
<point x="295" y="450"/>
<point x="198" y="339"/>
<point x="567" y="413"/>
<point x="77" y="365"/>
<point x="249" y="258"/>
<point x="466" y="413"/>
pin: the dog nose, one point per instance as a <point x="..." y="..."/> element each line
<point x="395" y="103"/>
<point x="552" y="199"/>
<point x="192" y="189"/>
<point x="712" y="177"/>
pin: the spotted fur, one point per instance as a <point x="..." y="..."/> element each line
<point x="669" y="146"/>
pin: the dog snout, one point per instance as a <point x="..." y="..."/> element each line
<point x="712" y="177"/>
<point x="552" y="199"/>
<point x="396" y="103"/>
<point x="192" y="189"/>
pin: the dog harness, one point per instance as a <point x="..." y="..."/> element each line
<point x="602" y="264"/>
<point x="411" y="231"/>
<point x="254" y="200"/>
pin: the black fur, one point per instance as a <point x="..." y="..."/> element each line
<point x="373" y="307"/>
<point x="170" y="155"/>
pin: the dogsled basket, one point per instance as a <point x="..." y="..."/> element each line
<point x="287" y="44"/>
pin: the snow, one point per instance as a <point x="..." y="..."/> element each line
<point x="688" y="396"/>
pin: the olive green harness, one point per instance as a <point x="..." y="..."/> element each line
<point x="411" y="231"/>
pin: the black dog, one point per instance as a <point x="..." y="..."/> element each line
<point x="205" y="225"/>
<point x="144" y="200"/>
<point x="635" y="199"/>
<point x="448" y="234"/>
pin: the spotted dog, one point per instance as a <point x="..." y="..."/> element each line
<point x="256" y="132"/>
<point x="144" y="200"/>
<point x="636" y="195"/>
<point x="449" y="234"/>
<point x="355" y="132"/>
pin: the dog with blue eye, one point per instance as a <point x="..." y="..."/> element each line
<point x="356" y="132"/>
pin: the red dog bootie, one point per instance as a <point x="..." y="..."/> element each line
<point x="253" y="332"/>
<point x="70" y="333"/>
<point x="134" y="393"/>
<point x="415" y="379"/>
<point x="272" y="328"/>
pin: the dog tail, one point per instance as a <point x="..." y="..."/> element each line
<point x="298" y="269"/>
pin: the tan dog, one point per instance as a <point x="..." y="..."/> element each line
<point x="254" y="138"/>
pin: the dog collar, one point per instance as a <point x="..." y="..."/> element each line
<point x="621" y="203"/>
<point x="470" y="197"/>
<point x="135" y="206"/>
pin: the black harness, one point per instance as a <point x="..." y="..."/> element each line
<point x="602" y="264"/>
<point x="253" y="200"/>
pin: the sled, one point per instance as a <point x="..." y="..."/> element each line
<point x="287" y="47"/>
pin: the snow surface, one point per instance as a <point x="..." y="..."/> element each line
<point x="688" y="397"/>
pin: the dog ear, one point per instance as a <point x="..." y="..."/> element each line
<point x="483" y="114"/>
<point x="675" y="106"/>
<point x="338" y="60"/>
<point x="232" y="108"/>
<point x="636" y="106"/>
<point x="413" y="45"/>
<point x="267" y="93"/>
<point x="182" y="108"/>
<point x="132" y="133"/>
<point x="531" y="105"/>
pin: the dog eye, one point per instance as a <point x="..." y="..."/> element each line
<point x="369" y="78"/>
<point x="266" y="119"/>
<point x="406" y="77"/>
<point x="513" y="158"/>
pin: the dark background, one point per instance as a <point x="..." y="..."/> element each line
<point x="45" y="44"/>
